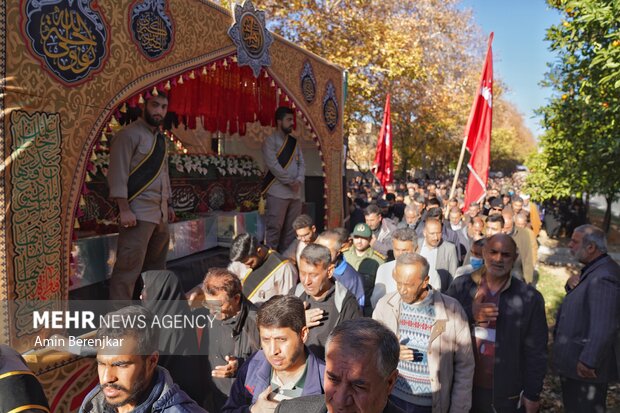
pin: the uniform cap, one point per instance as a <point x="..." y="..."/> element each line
<point x="362" y="230"/>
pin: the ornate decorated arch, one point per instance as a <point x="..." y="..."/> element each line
<point x="68" y="66"/>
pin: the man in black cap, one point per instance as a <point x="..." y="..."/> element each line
<point x="495" y="206"/>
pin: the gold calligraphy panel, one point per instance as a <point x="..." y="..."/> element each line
<point x="252" y="35"/>
<point x="151" y="28"/>
<point x="35" y="212"/>
<point x="68" y="36"/>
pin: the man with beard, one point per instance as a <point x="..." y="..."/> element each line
<point x="586" y="333"/>
<point x="509" y="331"/>
<point x="139" y="183"/>
<point x="129" y="378"/>
<point x="305" y="232"/>
<point x="284" y="368"/>
<point x="283" y="181"/>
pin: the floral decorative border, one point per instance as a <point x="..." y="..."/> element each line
<point x="4" y="279"/>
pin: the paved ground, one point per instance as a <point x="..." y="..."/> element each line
<point x="561" y="256"/>
<point x="555" y="251"/>
<point x="599" y="203"/>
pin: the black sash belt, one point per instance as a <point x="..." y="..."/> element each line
<point x="20" y="391"/>
<point x="256" y="278"/>
<point x="285" y="156"/>
<point x="147" y="171"/>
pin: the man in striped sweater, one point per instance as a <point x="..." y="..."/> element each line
<point x="435" y="342"/>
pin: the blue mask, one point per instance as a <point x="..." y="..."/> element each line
<point x="476" y="262"/>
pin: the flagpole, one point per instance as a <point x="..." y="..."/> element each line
<point x="456" y="175"/>
<point x="469" y="122"/>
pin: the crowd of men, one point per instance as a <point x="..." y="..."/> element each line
<point x="415" y="307"/>
<point x="339" y="326"/>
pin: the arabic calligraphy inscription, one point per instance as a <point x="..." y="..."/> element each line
<point x="36" y="207"/>
<point x="330" y="107"/>
<point x="69" y="37"/>
<point x="151" y="28"/>
<point x="250" y="35"/>
<point x="308" y="82"/>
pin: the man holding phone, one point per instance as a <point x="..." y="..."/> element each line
<point x="435" y="341"/>
<point x="509" y="330"/>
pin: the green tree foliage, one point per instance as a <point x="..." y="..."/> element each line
<point x="581" y="145"/>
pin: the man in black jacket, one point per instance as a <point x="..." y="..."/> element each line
<point x="588" y="325"/>
<point x="233" y="335"/>
<point x="327" y="301"/>
<point x="510" y="332"/>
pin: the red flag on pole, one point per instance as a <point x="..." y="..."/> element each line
<point x="383" y="166"/>
<point x="478" y="134"/>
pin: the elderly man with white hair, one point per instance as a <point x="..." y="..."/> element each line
<point x="588" y="325"/>
<point x="436" y="366"/>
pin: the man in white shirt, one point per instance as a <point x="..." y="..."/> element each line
<point x="283" y="181"/>
<point x="306" y="234"/>
<point x="404" y="240"/>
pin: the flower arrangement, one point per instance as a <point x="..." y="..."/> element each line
<point x="225" y="165"/>
<point x="189" y="165"/>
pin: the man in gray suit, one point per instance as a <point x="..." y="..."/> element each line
<point x="360" y="371"/>
<point x="441" y="255"/>
<point x="588" y="325"/>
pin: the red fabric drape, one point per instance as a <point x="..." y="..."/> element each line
<point x="225" y="96"/>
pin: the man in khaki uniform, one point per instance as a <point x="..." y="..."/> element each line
<point x="365" y="260"/>
<point x="140" y="186"/>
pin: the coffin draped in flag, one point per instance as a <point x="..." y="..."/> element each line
<point x="478" y="134"/>
<point x="383" y="167"/>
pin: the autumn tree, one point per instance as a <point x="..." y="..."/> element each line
<point x="511" y="141"/>
<point x="426" y="53"/>
<point x="420" y="51"/>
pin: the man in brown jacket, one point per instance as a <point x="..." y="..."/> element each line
<point x="436" y="364"/>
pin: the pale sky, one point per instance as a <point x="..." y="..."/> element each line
<point x="520" y="52"/>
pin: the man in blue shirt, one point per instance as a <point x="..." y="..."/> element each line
<point x="334" y="240"/>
